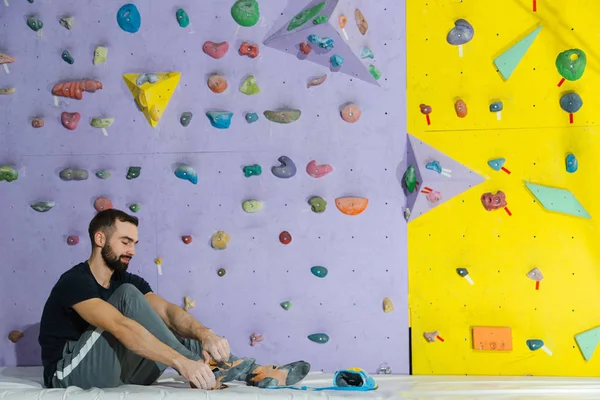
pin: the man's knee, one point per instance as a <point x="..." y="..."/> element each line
<point x="128" y="290"/>
<point x="126" y="298"/>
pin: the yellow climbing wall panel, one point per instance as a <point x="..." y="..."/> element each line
<point x="534" y="135"/>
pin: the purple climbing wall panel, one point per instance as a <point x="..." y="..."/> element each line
<point x="365" y="254"/>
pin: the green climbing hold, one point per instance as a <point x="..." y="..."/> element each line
<point x="245" y="12"/>
<point x="286" y="305"/>
<point x="321" y="19"/>
<point x="182" y="18"/>
<point x="319" y="337"/>
<point x="135" y="207"/>
<point x="101" y="122"/>
<point x="8" y="173"/>
<point x="133" y="172"/>
<point x="35" y="23"/>
<point x="67" y="57"/>
<point x="252" y="206"/>
<point x="250" y="170"/>
<point x="285" y="116"/>
<point x="250" y="87"/>
<point x="374" y="72"/>
<point x="410" y="178"/>
<point x="317" y="204"/>
<point x="303" y="16"/>
<point x="571" y="64"/>
<point x="103" y="174"/>
<point x="221" y="272"/>
<point x="318" y="271"/>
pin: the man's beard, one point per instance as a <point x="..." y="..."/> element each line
<point x="113" y="261"/>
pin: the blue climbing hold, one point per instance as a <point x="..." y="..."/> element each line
<point x="336" y="60"/>
<point x="366" y="53"/>
<point x="319" y="272"/>
<point x="434" y="166"/>
<point x="496" y="106"/>
<point x="319" y="337"/>
<point x="571" y="163"/>
<point x="220" y="119"/>
<point x="571" y="103"/>
<point x="322" y="42"/>
<point x="251" y="117"/>
<point x="535" y="344"/>
<point x="497" y="163"/>
<point x="128" y="18"/>
<point x="187" y="173"/>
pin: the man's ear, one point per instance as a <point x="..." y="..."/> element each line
<point x="100" y="239"/>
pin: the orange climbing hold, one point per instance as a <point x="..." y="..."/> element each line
<point x="492" y="338"/>
<point x="351" y="205"/>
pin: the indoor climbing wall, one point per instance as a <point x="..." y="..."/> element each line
<point x="264" y="171"/>
<point x="486" y="90"/>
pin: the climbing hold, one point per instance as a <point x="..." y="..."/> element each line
<point x="75" y="89"/>
<point x="15" y="336"/>
<point x="492" y="338"/>
<point x="133" y="172"/>
<point x="188" y="303"/>
<point x="319" y="338"/>
<point x="187" y="239"/>
<point x="100" y="55"/>
<point x="319" y="272"/>
<point x="250" y="50"/>
<point x="376" y="73"/>
<point x="317" y="204"/>
<point x="245" y="12"/>
<point x="557" y="200"/>
<point x="8" y="173"/>
<point x="305" y="48"/>
<point x="571" y="64"/>
<point x="434" y="166"/>
<point x="305" y="15"/>
<point x="406" y="213"/>
<point x="507" y="62"/>
<point x="285" y="237"/>
<point x="351" y="205"/>
<point x="497" y="163"/>
<point x="220" y="119"/>
<point x="432" y="196"/>
<point x="493" y="201"/>
<point x="187" y="173"/>
<point x="342" y="21"/>
<point x="286" y="305"/>
<point x="571" y="162"/>
<point x="37" y="122"/>
<point x="361" y="22"/>
<point x="283" y="116"/>
<point x="535" y="274"/>
<point x="182" y="18"/>
<point x="322" y="42"/>
<point x="321" y="19"/>
<point x="366" y="53"/>
<point x="462" y="33"/>
<point x="588" y="341"/>
<point x="286" y="169"/>
<point x="496" y="106"/>
<point x="388" y="306"/>
<point x="186" y="118"/>
<point x="215" y="50"/>
<point x="7" y="90"/>
<point x="463" y="272"/>
<point x="102" y="203"/>
<point x="536" y="344"/>
<point x="351" y="113"/>
<point x="316" y="81"/>
<point x="431" y="336"/>
<point x="221" y="272"/>
<point x="318" y="170"/>
<point x="158" y="263"/>
<point x="251" y="117"/>
<point x="103" y="174"/>
<point x="43" y="206"/>
<point x="72" y="240"/>
<point x="410" y="178"/>
<point x="336" y="60"/>
<point x="34" y="23"/>
<point x="425" y="109"/>
<point x="70" y="120"/>
<point x="461" y="108"/>
<point x="102" y="122"/>
<point x="252" y="206"/>
<point x="571" y="102"/>
<point x="217" y="83"/>
<point x="5" y="59"/>
<point x="146" y="78"/>
<point x="128" y="18"/>
<point x="250" y="170"/>
<point x="135" y="207"/>
<point x="73" y="174"/>
<point x="67" y="57"/>
<point x="220" y="240"/>
<point x="67" y="22"/>
<point x="255" y="338"/>
<point x="249" y="86"/>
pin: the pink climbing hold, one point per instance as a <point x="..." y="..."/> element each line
<point x="318" y="170"/>
<point x="215" y="50"/>
<point x="72" y="240"/>
<point x="102" y="203"/>
<point x="351" y="113"/>
<point x="255" y="338"/>
<point x="70" y="120"/>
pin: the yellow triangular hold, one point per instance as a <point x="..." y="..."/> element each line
<point x="152" y="98"/>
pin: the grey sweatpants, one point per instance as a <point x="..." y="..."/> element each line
<point x="98" y="359"/>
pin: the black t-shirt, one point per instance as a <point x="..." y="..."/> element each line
<point x="60" y="323"/>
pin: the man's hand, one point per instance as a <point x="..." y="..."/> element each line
<point x="198" y="373"/>
<point x="215" y="345"/>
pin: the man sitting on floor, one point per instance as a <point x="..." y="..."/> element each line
<point x="104" y="327"/>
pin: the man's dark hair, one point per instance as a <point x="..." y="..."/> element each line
<point x="105" y="221"/>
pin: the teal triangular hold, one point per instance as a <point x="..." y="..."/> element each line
<point x="497" y="163"/>
<point x="588" y="341"/>
<point x="559" y="200"/>
<point x="507" y="62"/>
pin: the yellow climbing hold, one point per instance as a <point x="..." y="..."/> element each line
<point x="189" y="303"/>
<point x="152" y="92"/>
<point x="220" y="240"/>
<point x="388" y="306"/>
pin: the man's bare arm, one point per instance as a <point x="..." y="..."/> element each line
<point x="176" y="318"/>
